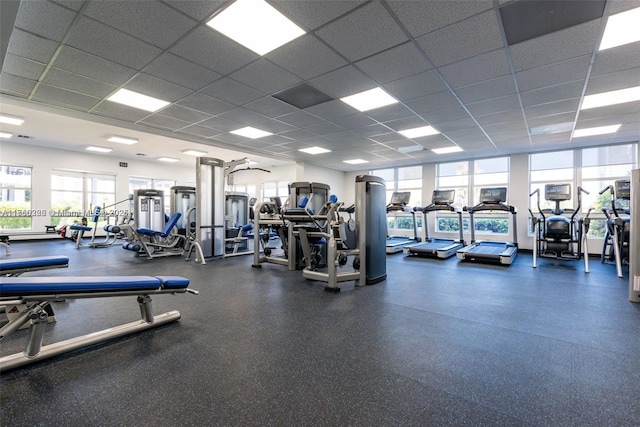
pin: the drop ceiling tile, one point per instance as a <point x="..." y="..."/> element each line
<point x="495" y="105"/>
<point x="491" y="88"/>
<point x="371" y="130"/>
<point x="31" y="47"/>
<point x="460" y="40"/>
<point x="71" y="4"/>
<point x="390" y="113"/>
<point x="421" y="17"/>
<point x="323" y="128"/>
<point x="19" y="66"/>
<point x="185" y="114"/>
<point x="232" y="91"/>
<point x="108" y="43"/>
<point x="181" y="71"/>
<point x="151" y="21"/>
<point x="212" y="50"/>
<point x="231" y="138"/>
<point x="119" y="111"/>
<point x="270" y="107"/>
<point x="394" y="64"/>
<point x="559" y="46"/>
<point x="416" y="86"/>
<point x="443" y="116"/>
<point x="198" y="130"/>
<point x="354" y="121"/>
<point x="265" y="76"/>
<point x="477" y="69"/>
<point x="614" y="81"/>
<point x="613" y="111"/>
<point x="16" y="85"/>
<point x="85" y="64"/>
<point x="556" y="138"/>
<point x="331" y="110"/>
<point x="366" y="31"/>
<point x="343" y="82"/>
<point x="65" y="97"/>
<point x="223" y="125"/>
<point x="550" y="119"/>
<point x="502" y="117"/>
<point x="158" y="88"/>
<point x="616" y="59"/>
<point x="76" y="83"/>
<point x="200" y="10"/>
<point x="574" y="69"/>
<point x="438" y="101"/>
<point x="298" y="134"/>
<point x="387" y="138"/>
<point x="299" y="119"/>
<point x="275" y="140"/>
<point x="274" y="126"/>
<point x="560" y="107"/>
<point x="306" y="57"/>
<point x="453" y="125"/>
<point x="45" y="19"/>
<point x="242" y="115"/>
<point x="552" y="94"/>
<point x="206" y="104"/>
<point x="164" y="122"/>
<point x="311" y="14"/>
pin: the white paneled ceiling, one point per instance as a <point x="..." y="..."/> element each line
<point x="448" y="63"/>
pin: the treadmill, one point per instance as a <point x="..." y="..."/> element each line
<point x="399" y="205"/>
<point x="433" y="247"/>
<point x="491" y="199"/>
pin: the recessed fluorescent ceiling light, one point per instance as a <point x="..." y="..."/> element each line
<point x="123" y="140"/>
<point x="315" y="150"/>
<point x="168" y="159"/>
<point x="137" y="100"/>
<point x="11" y="120"/>
<point x="601" y="130"/>
<point x="5" y="135"/>
<point x="355" y="161"/>
<point x="369" y="99"/>
<point x="250" y="132"/>
<point x="191" y="152"/>
<point x="418" y="132"/>
<point x="551" y="129"/>
<point x="621" y="28"/>
<point x="447" y="150"/>
<point x="99" y="149"/>
<point x="256" y="25"/>
<point x="611" y="98"/>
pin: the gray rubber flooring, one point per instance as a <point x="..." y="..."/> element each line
<point x="438" y="343"/>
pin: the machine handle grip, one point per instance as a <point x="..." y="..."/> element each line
<point x="537" y="190"/>
<point x="608" y="187"/>
<point x="583" y="190"/>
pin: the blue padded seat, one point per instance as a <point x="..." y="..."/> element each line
<point x="80" y="227"/>
<point x="167" y="227"/>
<point x="35" y="262"/>
<point x="173" y="282"/>
<point x="22" y="286"/>
<point x="115" y="229"/>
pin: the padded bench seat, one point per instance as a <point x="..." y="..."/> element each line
<point x="23" y="265"/>
<point x="29" y="286"/>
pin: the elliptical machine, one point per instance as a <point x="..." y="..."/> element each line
<point x="556" y="235"/>
<point x="616" y="240"/>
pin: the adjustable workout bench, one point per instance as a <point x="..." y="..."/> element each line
<point x="38" y="292"/>
<point x="17" y="266"/>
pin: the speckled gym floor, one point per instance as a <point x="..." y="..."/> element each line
<point x="438" y="343"/>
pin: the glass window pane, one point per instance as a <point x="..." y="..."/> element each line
<point x="412" y="172"/>
<point x="552" y="174"/>
<point x="553" y="160"/>
<point x="612" y="155"/>
<point x="622" y="170"/>
<point x="410" y="183"/>
<point x="488" y="225"/>
<point x="66" y="182"/>
<point x="453" y="181"/>
<point x="13" y="176"/>
<point x="501" y="178"/>
<point x="454" y="168"/>
<point x="386" y="174"/>
<point x="498" y="164"/>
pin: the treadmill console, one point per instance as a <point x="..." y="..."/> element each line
<point x="557" y="192"/>
<point x="493" y="195"/>
<point x="443" y="197"/>
<point x="623" y="189"/>
<point x="400" y="198"/>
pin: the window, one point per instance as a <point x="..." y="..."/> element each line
<point x="15" y="198"/>
<point x="409" y="179"/>
<point x="591" y="168"/>
<point x="466" y="178"/>
<point x="244" y="188"/>
<point x="602" y="166"/>
<point x="275" y="189"/>
<point x="74" y="195"/>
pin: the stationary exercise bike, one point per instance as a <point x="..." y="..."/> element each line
<point x="616" y="241"/>
<point x="560" y="233"/>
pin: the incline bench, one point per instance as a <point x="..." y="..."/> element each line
<point x="38" y="292"/>
<point x="17" y="266"/>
